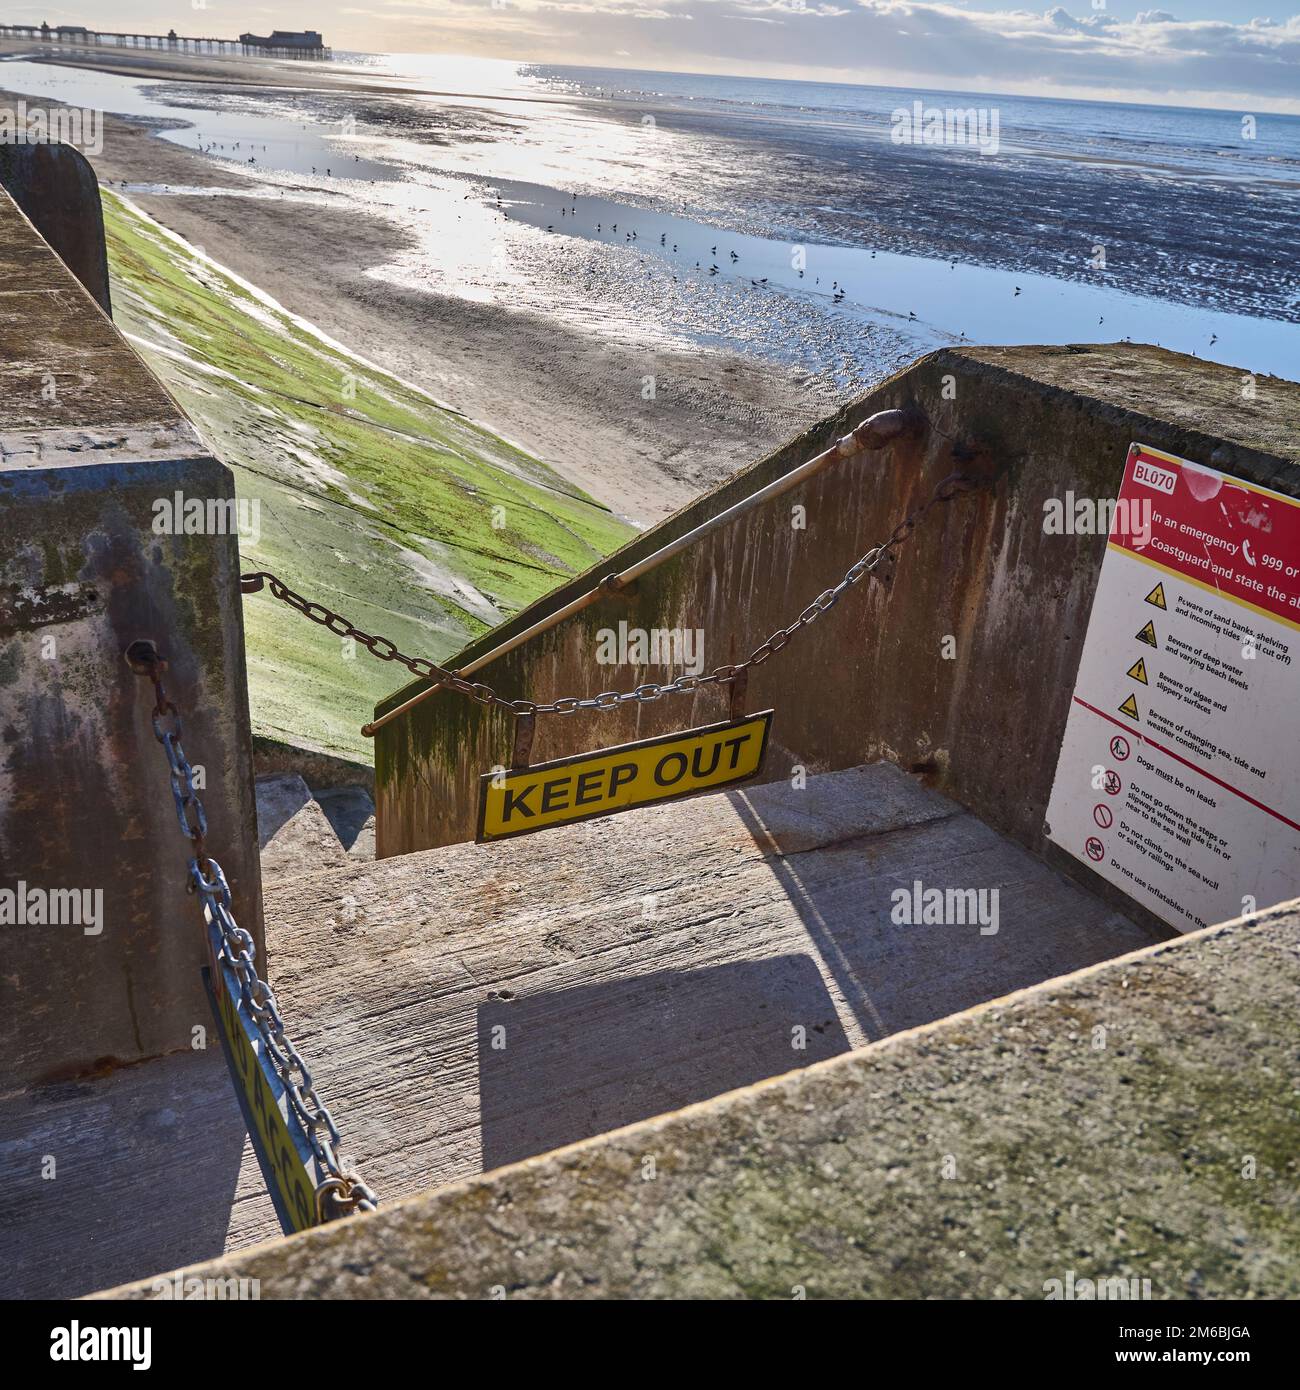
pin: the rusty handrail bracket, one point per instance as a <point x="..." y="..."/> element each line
<point x="522" y="752"/>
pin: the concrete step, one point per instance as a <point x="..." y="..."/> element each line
<point x="300" y="832"/>
<point x="1093" y="1128"/>
<point x="467" y="1007"/>
<point x="351" y="811"/>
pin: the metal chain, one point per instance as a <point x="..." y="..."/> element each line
<point x="950" y="487"/>
<point x="342" y="1191"/>
<point x="379" y="647"/>
<point x="725" y="675"/>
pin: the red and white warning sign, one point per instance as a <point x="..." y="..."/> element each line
<point x="1179" y="773"/>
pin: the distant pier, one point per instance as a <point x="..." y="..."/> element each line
<point x="279" y="44"/>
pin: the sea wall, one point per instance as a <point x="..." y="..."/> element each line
<point x="363" y="492"/>
<point x="90" y="445"/>
<point x="956" y="662"/>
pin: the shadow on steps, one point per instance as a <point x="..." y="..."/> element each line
<point x="642" y="1046"/>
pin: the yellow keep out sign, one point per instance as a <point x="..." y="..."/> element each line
<point x="617" y="779"/>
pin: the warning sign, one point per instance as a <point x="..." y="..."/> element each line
<point x="617" y="779"/>
<point x="279" y="1140"/>
<point x="1206" y="825"/>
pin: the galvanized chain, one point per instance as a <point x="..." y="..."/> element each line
<point x="381" y="647"/>
<point x="342" y="1191"/>
<point x="949" y="488"/>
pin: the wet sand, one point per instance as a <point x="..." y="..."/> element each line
<point x="573" y="398"/>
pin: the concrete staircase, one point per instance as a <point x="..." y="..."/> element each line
<point x="472" y="1006"/>
<point x="1133" y="1124"/>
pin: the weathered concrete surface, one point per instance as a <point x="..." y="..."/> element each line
<point x="1103" y="1125"/>
<point x="300" y="831"/>
<point x="871" y="679"/>
<point x="153" y="1167"/>
<point x="351" y="811"/>
<point x="70" y="387"/>
<point x="319" y="770"/>
<point x="57" y="189"/>
<point x="279" y="798"/>
<point x="467" y="1007"/>
<point x="89" y="442"/>
<point x="293" y="831"/>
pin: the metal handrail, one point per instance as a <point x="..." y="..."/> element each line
<point x="873" y="433"/>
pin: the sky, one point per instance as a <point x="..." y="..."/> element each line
<point x="1241" y="54"/>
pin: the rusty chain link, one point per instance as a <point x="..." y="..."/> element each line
<point x="951" y="486"/>
<point x="342" y="1191"/>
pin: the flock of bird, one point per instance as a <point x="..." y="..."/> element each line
<point x="838" y="291"/>
<point x="227" y="151"/>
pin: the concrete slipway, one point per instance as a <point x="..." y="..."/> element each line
<point x="983" y="1156"/>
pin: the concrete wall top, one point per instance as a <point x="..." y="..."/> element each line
<point x="1208" y="401"/>
<point x="55" y="186"/>
<point x="71" y="389"/>
<point x="984" y="1156"/>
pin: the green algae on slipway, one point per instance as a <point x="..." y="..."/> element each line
<point x="373" y="498"/>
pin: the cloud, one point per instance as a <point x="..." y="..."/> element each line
<point x="892" y="42"/>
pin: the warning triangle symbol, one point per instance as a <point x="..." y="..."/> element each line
<point x="1130" y="707"/>
<point x="1148" y="635"/>
<point x="1157" y="596"/>
<point x="1138" y="670"/>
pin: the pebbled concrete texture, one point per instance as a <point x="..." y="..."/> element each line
<point x="1137" y="1119"/>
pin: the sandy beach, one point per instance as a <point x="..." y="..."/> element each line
<point x="573" y="398"/>
<point x="649" y="288"/>
<point x="649" y="292"/>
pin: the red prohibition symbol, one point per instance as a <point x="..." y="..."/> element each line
<point x="1102" y="815"/>
<point x="1094" y="848"/>
<point x="1113" y="786"/>
<point x="1119" y="747"/>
